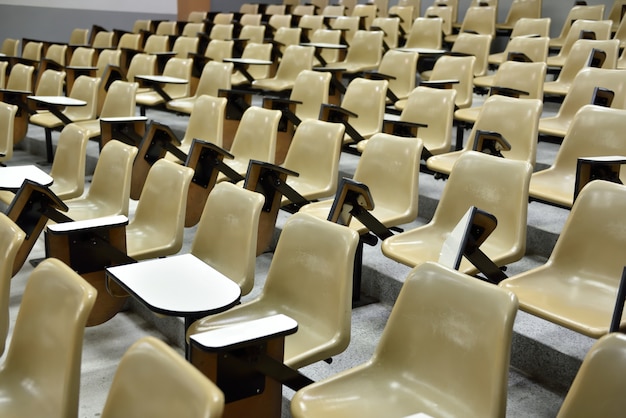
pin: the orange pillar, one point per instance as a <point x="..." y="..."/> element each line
<point x="186" y="6"/>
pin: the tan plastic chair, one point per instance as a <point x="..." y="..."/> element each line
<point x="184" y="46"/>
<point x="130" y="41"/>
<point x="215" y="76"/>
<point x="141" y="64"/>
<point x="432" y="107"/>
<point x="7" y="118"/>
<point x="156" y="43"/>
<point x="275" y="9"/>
<point x="206" y="122"/>
<point x="175" y="67"/>
<point x="258" y="72"/>
<point x="141" y="25"/>
<point x="444" y="13"/>
<point x="556" y="184"/>
<point x="311" y="90"/>
<point x="415" y="4"/>
<point x="318" y="299"/>
<point x="426" y="32"/>
<point x="57" y="54"/>
<point x="255" y="139"/>
<point x="150" y="375"/>
<point x="477" y="45"/>
<point x="601" y="29"/>
<point x="106" y="57"/>
<point x="84" y="88"/>
<point x="481" y="20"/>
<point x="320" y="5"/>
<point x="295" y="59"/>
<point x="577" y="59"/>
<point x="223" y="18"/>
<point x="314" y="154"/>
<point x="197" y="16"/>
<point x="283" y="37"/>
<point x="226" y="238"/>
<point x="596" y="390"/>
<point x="217" y="50"/>
<point x="476" y="180"/>
<point x="21" y="77"/>
<point x="519" y="10"/>
<point x="364" y="53"/>
<point x="367" y="12"/>
<point x="515" y="119"/>
<point x="349" y="25"/>
<point x="590" y="12"/>
<point x="327" y="36"/>
<point x="576" y="288"/>
<point x="535" y="48"/>
<point x="278" y="21"/>
<point x="32" y="50"/>
<point x="11" y="239"/>
<point x="79" y="36"/>
<point x="402" y="67"/>
<point x="50" y="83"/>
<point x="365" y="98"/>
<point x="523" y="76"/>
<point x="460" y="69"/>
<point x="407" y="15"/>
<point x="249" y="8"/>
<point x="408" y="372"/>
<point x="310" y="23"/>
<point x="40" y="375"/>
<point x="191" y="29"/>
<point x="453" y="4"/>
<point x="119" y="102"/>
<point x="103" y="40"/>
<point x="394" y="188"/>
<point x="156" y="230"/>
<point x="166" y="28"/>
<point x="391" y="29"/>
<point x="254" y="33"/>
<point x="68" y="167"/>
<point x="10" y="47"/>
<point x="580" y="94"/>
<point x="82" y="57"/>
<point x="221" y="31"/>
<point x="250" y="19"/>
<point x="109" y="192"/>
<point x="333" y="10"/>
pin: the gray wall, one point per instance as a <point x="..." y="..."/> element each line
<point x="56" y="24"/>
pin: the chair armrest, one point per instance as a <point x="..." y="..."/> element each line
<point x="375" y="75"/>
<point x="507" y="91"/>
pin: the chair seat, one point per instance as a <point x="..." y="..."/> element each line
<point x="273" y="84"/>
<point x="143" y="242"/>
<point x="151" y="98"/>
<point x="45" y="120"/>
<point x="554" y="126"/>
<point x="184" y="105"/>
<point x="558" y="300"/>
<point x="82" y="209"/>
<point x="443" y="163"/>
<point x="556" y="61"/>
<point x="306" y="188"/>
<point x="469" y="114"/>
<point x="553" y="186"/>
<point x="352" y="67"/>
<point x="91" y="127"/>
<point x="240" y="165"/>
<point x="556" y="88"/>
<point x="485" y="81"/>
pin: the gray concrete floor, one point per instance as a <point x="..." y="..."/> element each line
<point x="527" y="396"/>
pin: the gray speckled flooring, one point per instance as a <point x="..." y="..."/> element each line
<point x="539" y="348"/>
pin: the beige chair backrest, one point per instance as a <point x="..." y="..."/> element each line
<point x="425" y="33"/>
<point x="277" y="21"/>
<point x="256" y="136"/>
<point x="595" y="131"/>
<point x="366" y="98"/>
<point x="218" y="49"/>
<point x="130" y="41"/>
<point x="576" y="287"/>
<point x="275" y="9"/>
<point x="597" y="386"/>
<point x="314" y="154"/>
<point x="11" y="239"/>
<point x="57" y="53"/>
<point x="82" y="57"/>
<point x="68" y="167"/>
<point x="476" y="180"/>
<point x="110" y="57"/>
<point x="526" y="26"/>
<point x="223" y="18"/>
<point x="364" y="53"/>
<point x="295" y="60"/>
<point x="443" y="13"/>
<point x="109" y="192"/>
<point x="327" y="36"/>
<point x="215" y="76"/>
<point x="453" y="4"/>
<point x="226" y="238"/>
<point x="287" y="36"/>
<point x="86" y="89"/>
<point x="46" y="344"/>
<point x="191" y="29"/>
<point x="523" y="76"/>
<point x="480" y="19"/>
<point x="406" y="14"/>
<point x="141" y="25"/>
<point x="589" y="12"/>
<point x="119" y="100"/>
<point x="303" y="10"/>
<point x="10" y="47"/>
<point x="457" y="68"/>
<point x="157" y="228"/>
<point x="391" y="28"/>
<point x="258" y="72"/>
<point x="414" y="352"/>
<point x="103" y="39"/>
<point x="435" y="108"/>
<point x="334" y="10"/>
<point x="402" y="66"/>
<point x="476" y="45"/>
<point x="349" y="24"/>
<point x="295" y="285"/>
<point x="536" y="49"/>
<point x="21" y="77"/>
<point x="523" y="9"/>
<point x="166" y="28"/>
<point x="50" y="83"/>
<point x="196" y="16"/>
<point x="184" y="46"/>
<point x="141" y="64"/>
<point x="252" y="19"/>
<point x="249" y="8"/>
<point x="311" y="90"/>
<point x="32" y="50"/>
<point x="150" y="374"/>
<point x="255" y="33"/>
<point x="601" y="28"/>
<point x="206" y="121"/>
<point x="366" y="12"/>
<point x="221" y="31"/>
<point x="156" y="43"/>
<point x="7" y="122"/>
